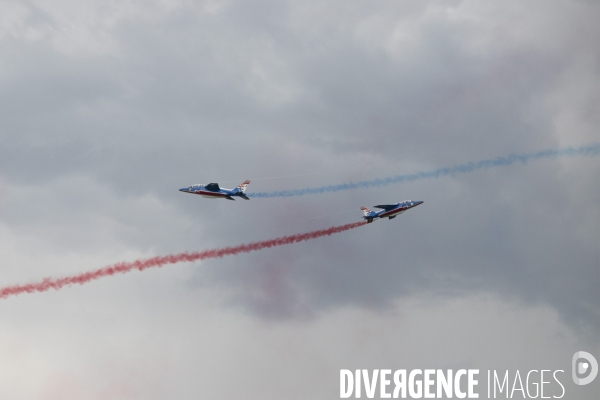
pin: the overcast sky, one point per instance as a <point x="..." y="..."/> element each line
<point x="107" y="108"/>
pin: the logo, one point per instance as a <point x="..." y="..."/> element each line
<point x="584" y="364"/>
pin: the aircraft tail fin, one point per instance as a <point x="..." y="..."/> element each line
<point x="242" y="186"/>
<point x="240" y="191"/>
<point x="365" y="211"/>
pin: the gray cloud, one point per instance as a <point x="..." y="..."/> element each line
<point x="107" y="108"/>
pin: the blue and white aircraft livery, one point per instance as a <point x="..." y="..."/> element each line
<point x="213" y="191"/>
<point x="388" y="210"/>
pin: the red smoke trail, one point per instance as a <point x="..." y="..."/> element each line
<point x="159" y="261"/>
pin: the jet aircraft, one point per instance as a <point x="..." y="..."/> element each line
<point x="388" y="210"/>
<point x="213" y="191"/>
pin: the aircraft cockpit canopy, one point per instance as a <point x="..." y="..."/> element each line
<point x="213" y="187"/>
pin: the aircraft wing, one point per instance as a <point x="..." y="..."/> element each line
<point x="387" y="207"/>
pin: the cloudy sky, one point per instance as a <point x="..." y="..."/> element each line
<point x="108" y="107"/>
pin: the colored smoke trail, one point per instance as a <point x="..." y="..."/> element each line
<point x="588" y="150"/>
<point x="159" y="261"/>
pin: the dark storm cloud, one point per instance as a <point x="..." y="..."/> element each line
<point x="480" y="104"/>
<point x="209" y="91"/>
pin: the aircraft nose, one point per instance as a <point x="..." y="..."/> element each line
<point x="418" y="203"/>
<point x="183" y="189"/>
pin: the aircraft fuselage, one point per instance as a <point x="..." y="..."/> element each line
<point x="390" y="210"/>
<point x="213" y="191"/>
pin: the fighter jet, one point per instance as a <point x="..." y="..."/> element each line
<point x="388" y="210"/>
<point x="213" y="191"/>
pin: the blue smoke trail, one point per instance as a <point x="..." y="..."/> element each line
<point x="588" y="150"/>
